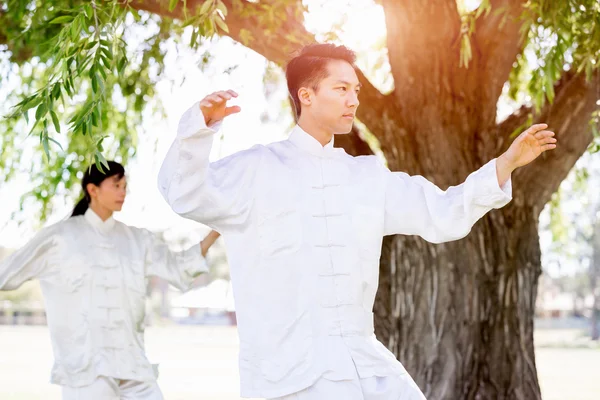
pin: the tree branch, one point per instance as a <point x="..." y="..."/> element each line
<point x="416" y="49"/>
<point x="568" y="116"/>
<point x="496" y="42"/>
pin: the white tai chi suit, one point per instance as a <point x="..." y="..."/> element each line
<point x="303" y="226"/>
<point x="93" y="278"/>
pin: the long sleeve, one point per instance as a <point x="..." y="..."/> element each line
<point x="415" y="206"/>
<point x="178" y="268"/>
<point x="218" y="194"/>
<point x="29" y="262"/>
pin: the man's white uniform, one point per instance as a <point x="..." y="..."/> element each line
<point x="303" y="225"/>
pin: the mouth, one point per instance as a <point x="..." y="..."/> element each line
<point x="348" y="116"/>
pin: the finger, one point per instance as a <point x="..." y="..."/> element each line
<point x="215" y="99"/>
<point x="223" y="95"/>
<point x="208" y="101"/>
<point x="533" y="129"/>
<point x="232" y="110"/>
<point x="543" y="134"/>
<point x="548" y="140"/>
<point x="232" y="93"/>
<point x="547" y="147"/>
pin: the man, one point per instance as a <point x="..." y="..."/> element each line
<point x="303" y="222"/>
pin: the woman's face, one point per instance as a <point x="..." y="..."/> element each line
<point x="110" y="194"/>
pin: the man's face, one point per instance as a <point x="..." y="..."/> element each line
<point x="111" y="192"/>
<point x="334" y="102"/>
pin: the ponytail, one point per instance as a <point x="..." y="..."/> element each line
<point x="81" y="207"/>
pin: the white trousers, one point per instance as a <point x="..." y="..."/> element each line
<point x="374" y="388"/>
<point x="104" y="388"/>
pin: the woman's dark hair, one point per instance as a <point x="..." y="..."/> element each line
<point x="96" y="176"/>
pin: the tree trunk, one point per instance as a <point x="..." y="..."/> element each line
<point x="459" y="315"/>
<point x="595" y="332"/>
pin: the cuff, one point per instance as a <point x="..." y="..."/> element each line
<point x="192" y="124"/>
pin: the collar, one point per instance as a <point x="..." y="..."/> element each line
<point x="301" y="139"/>
<point x="96" y="221"/>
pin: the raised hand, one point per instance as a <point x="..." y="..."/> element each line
<point x="526" y="147"/>
<point x="214" y="106"/>
<point x="529" y="145"/>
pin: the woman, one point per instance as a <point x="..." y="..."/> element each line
<point x="93" y="271"/>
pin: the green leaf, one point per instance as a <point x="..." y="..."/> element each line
<point x="522" y="127"/>
<point x="210" y="27"/>
<point x="33" y="127"/>
<point x="40" y="112"/>
<point x="595" y="130"/>
<point x="94" y="82"/>
<point x="55" y="142"/>
<point x="55" y="121"/>
<point x="100" y="158"/>
<point x="172" y="4"/>
<point x="107" y="53"/>
<point x="221" y="7"/>
<point x="94" y="118"/>
<point x="205" y="7"/>
<point x="89" y="12"/>
<point x="221" y="24"/>
<point x="30" y="102"/>
<point x="44" y="140"/>
<point x="62" y="19"/>
<point x="107" y="65"/>
<point x="56" y="91"/>
<point x="549" y="88"/>
<point x="135" y="14"/>
<point x="121" y="65"/>
<point x="68" y="88"/>
<point x="194" y="38"/>
<point x="100" y="83"/>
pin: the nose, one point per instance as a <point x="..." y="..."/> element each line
<point x="353" y="100"/>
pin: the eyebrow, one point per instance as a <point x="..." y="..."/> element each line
<point x="348" y="83"/>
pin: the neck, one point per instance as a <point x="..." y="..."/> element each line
<point x="103" y="212"/>
<point x="315" y="130"/>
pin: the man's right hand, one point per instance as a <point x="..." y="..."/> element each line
<point x="214" y="106"/>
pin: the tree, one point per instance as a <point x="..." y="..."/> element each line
<point x="458" y="315"/>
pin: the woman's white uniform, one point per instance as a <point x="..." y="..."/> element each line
<point x="93" y="277"/>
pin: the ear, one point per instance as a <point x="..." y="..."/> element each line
<point x="305" y="96"/>
<point x="92" y="190"/>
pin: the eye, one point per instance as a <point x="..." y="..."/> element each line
<point x="342" y="88"/>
